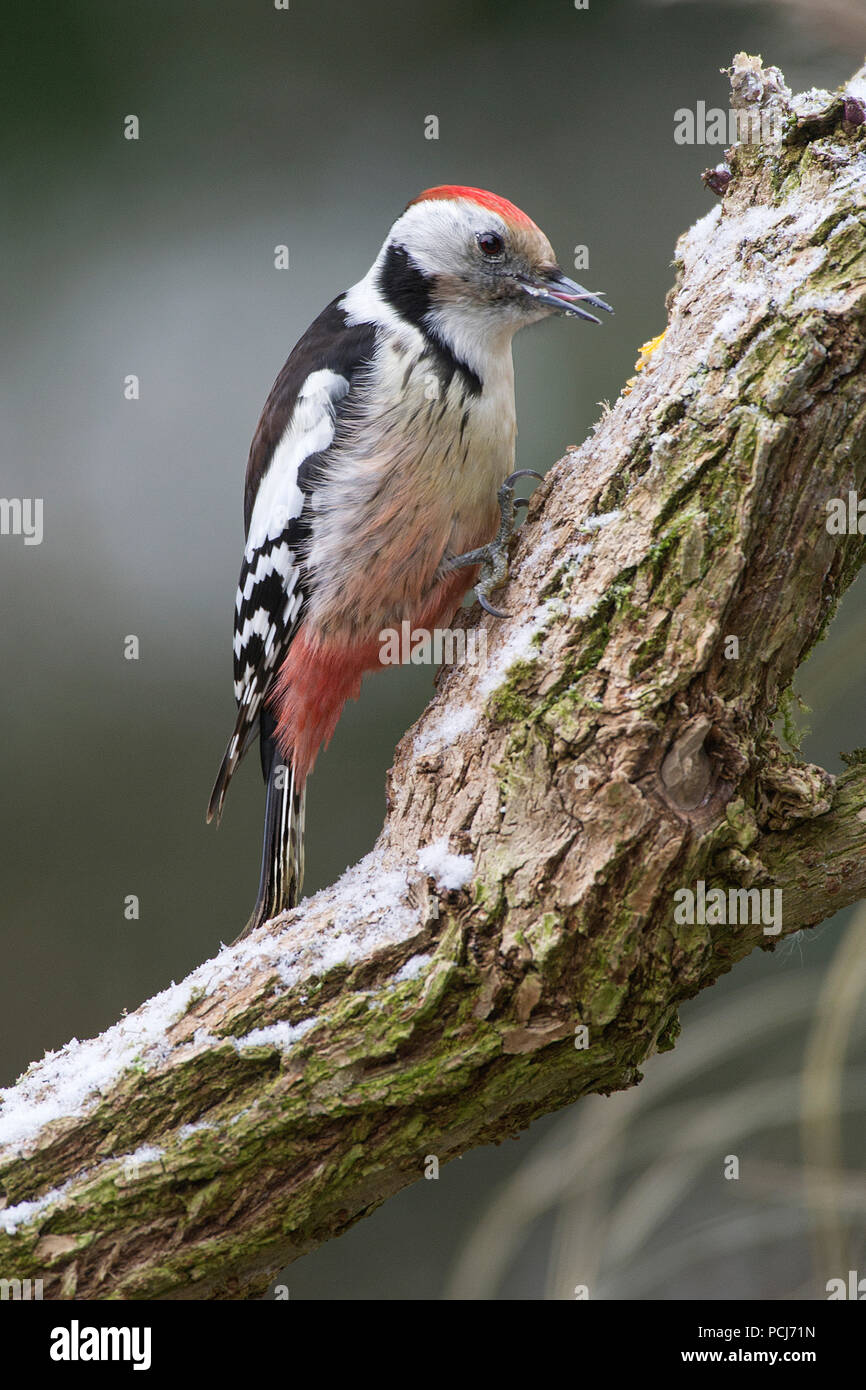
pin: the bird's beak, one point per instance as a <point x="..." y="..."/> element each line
<point x="558" y="292"/>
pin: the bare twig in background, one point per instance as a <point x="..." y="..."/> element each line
<point x="839" y="1002"/>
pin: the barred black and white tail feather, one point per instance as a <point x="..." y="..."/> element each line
<point x="282" y="872"/>
<point x="246" y="727"/>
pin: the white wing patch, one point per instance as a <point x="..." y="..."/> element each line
<point x="279" y="499"/>
<point x="269" y="595"/>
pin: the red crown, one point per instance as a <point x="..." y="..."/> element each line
<point x="476" y="195"/>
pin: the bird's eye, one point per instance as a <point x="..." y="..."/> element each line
<point x="491" y="243"/>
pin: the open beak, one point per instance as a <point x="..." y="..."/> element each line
<point x="558" y="292"/>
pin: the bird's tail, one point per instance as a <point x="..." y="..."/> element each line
<point x="282" y="871"/>
<point x="244" y="733"/>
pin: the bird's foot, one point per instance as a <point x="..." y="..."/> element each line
<point x="493" y="557"/>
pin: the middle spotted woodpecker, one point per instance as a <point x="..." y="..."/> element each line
<point x="377" y="473"/>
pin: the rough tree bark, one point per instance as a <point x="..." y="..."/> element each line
<point x="618" y="747"/>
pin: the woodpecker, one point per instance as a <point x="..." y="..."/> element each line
<point x="379" y="467"/>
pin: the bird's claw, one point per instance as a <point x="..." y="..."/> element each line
<point x="493" y="557"/>
<point x="488" y="607"/>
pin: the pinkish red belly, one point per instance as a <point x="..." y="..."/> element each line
<point x="318" y="677"/>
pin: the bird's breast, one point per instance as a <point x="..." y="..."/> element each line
<point x="412" y="478"/>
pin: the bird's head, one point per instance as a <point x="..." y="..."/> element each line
<point x="458" y="253"/>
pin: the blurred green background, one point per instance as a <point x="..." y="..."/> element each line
<point x="156" y="257"/>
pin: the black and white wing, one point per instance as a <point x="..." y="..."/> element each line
<point x="287" y="455"/>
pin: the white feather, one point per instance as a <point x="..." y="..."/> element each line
<point x="279" y="499"/>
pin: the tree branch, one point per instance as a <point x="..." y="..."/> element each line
<point x="616" y="750"/>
